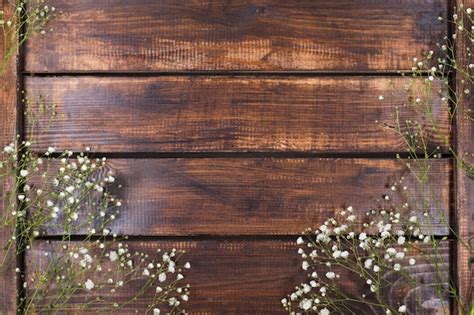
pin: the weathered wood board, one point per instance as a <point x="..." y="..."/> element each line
<point x="464" y="186"/>
<point x="272" y="35"/>
<point x="244" y="276"/>
<point x="230" y="113"/>
<point x="264" y="196"/>
<point x="8" y="109"/>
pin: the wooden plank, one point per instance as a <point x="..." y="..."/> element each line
<point x="243" y="276"/>
<point x="229" y="114"/>
<point x="170" y="35"/>
<point x="464" y="141"/>
<point x="259" y="196"/>
<point x="8" y="95"/>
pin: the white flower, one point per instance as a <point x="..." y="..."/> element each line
<point x="8" y="149"/>
<point x="397" y="267"/>
<point x="146" y="272"/>
<point x="324" y="311"/>
<point x="83" y="250"/>
<point x="156" y="311"/>
<point x="305" y="265"/>
<point x="113" y="256"/>
<point x="179" y="276"/>
<point x="376" y="268"/>
<point x="305" y="304"/>
<point x="391" y="251"/>
<point x="51" y="150"/>
<point x="70" y="189"/>
<point x="21" y="197"/>
<point x="89" y="284"/>
<point x="300" y="241"/>
<point x="172" y="301"/>
<point x="351" y="218"/>
<point x="368" y="263"/>
<point x="413" y="219"/>
<point x="381" y="98"/>
<point x="402" y="309"/>
<point x="162" y="277"/>
<point x="330" y="275"/>
<point x="159" y="289"/>
<point x="187" y="265"/>
<point x="468" y="10"/>
<point x="74" y="216"/>
<point x="171" y="266"/>
<point x="400" y="255"/>
<point x="345" y="254"/>
<point x="412" y="261"/>
<point x="23" y="173"/>
<point x="401" y="240"/>
<point x="362" y="236"/>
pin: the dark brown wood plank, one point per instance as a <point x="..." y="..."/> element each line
<point x="228" y="114"/>
<point x="464" y="141"/>
<point x="244" y="276"/>
<point x="149" y="35"/>
<point x="259" y="196"/>
<point x="8" y="94"/>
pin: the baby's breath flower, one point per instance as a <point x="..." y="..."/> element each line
<point x="89" y="284"/>
<point x="330" y="275"/>
<point x="324" y="311"/>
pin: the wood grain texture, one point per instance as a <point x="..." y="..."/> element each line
<point x="8" y="94"/>
<point x="259" y="196"/>
<point x="251" y="276"/>
<point x="229" y="114"/>
<point x="464" y="204"/>
<point x="275" y="35"/>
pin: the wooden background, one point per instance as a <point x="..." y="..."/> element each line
<point x="234" y="125"/>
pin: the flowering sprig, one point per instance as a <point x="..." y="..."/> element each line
<point x="93" y="275"/>
<point x="55" y="193"/>
<point x="376" y="251"/>
<point x="431" y="75"/>
<point x="19" y="22"/>
<point x="373" y="254"/>
<point x="71" y="194"/>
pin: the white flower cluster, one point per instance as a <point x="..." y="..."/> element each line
<point x="369" y="246"/>
<point x="105" y="268"/>
<point x="59" y="192"/>
<point x="68" y="194"/>
<point x="37" y="12"/>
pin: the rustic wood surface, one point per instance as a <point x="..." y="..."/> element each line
<point x="247" y="276"/>
<point x="229" y="114"/>
<point x="274" y="35"/>
<point x="464" y="214"/>
<point x="8" y="94"/>
<point x="260" y="196"/>
<point x="255" y="181"/>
